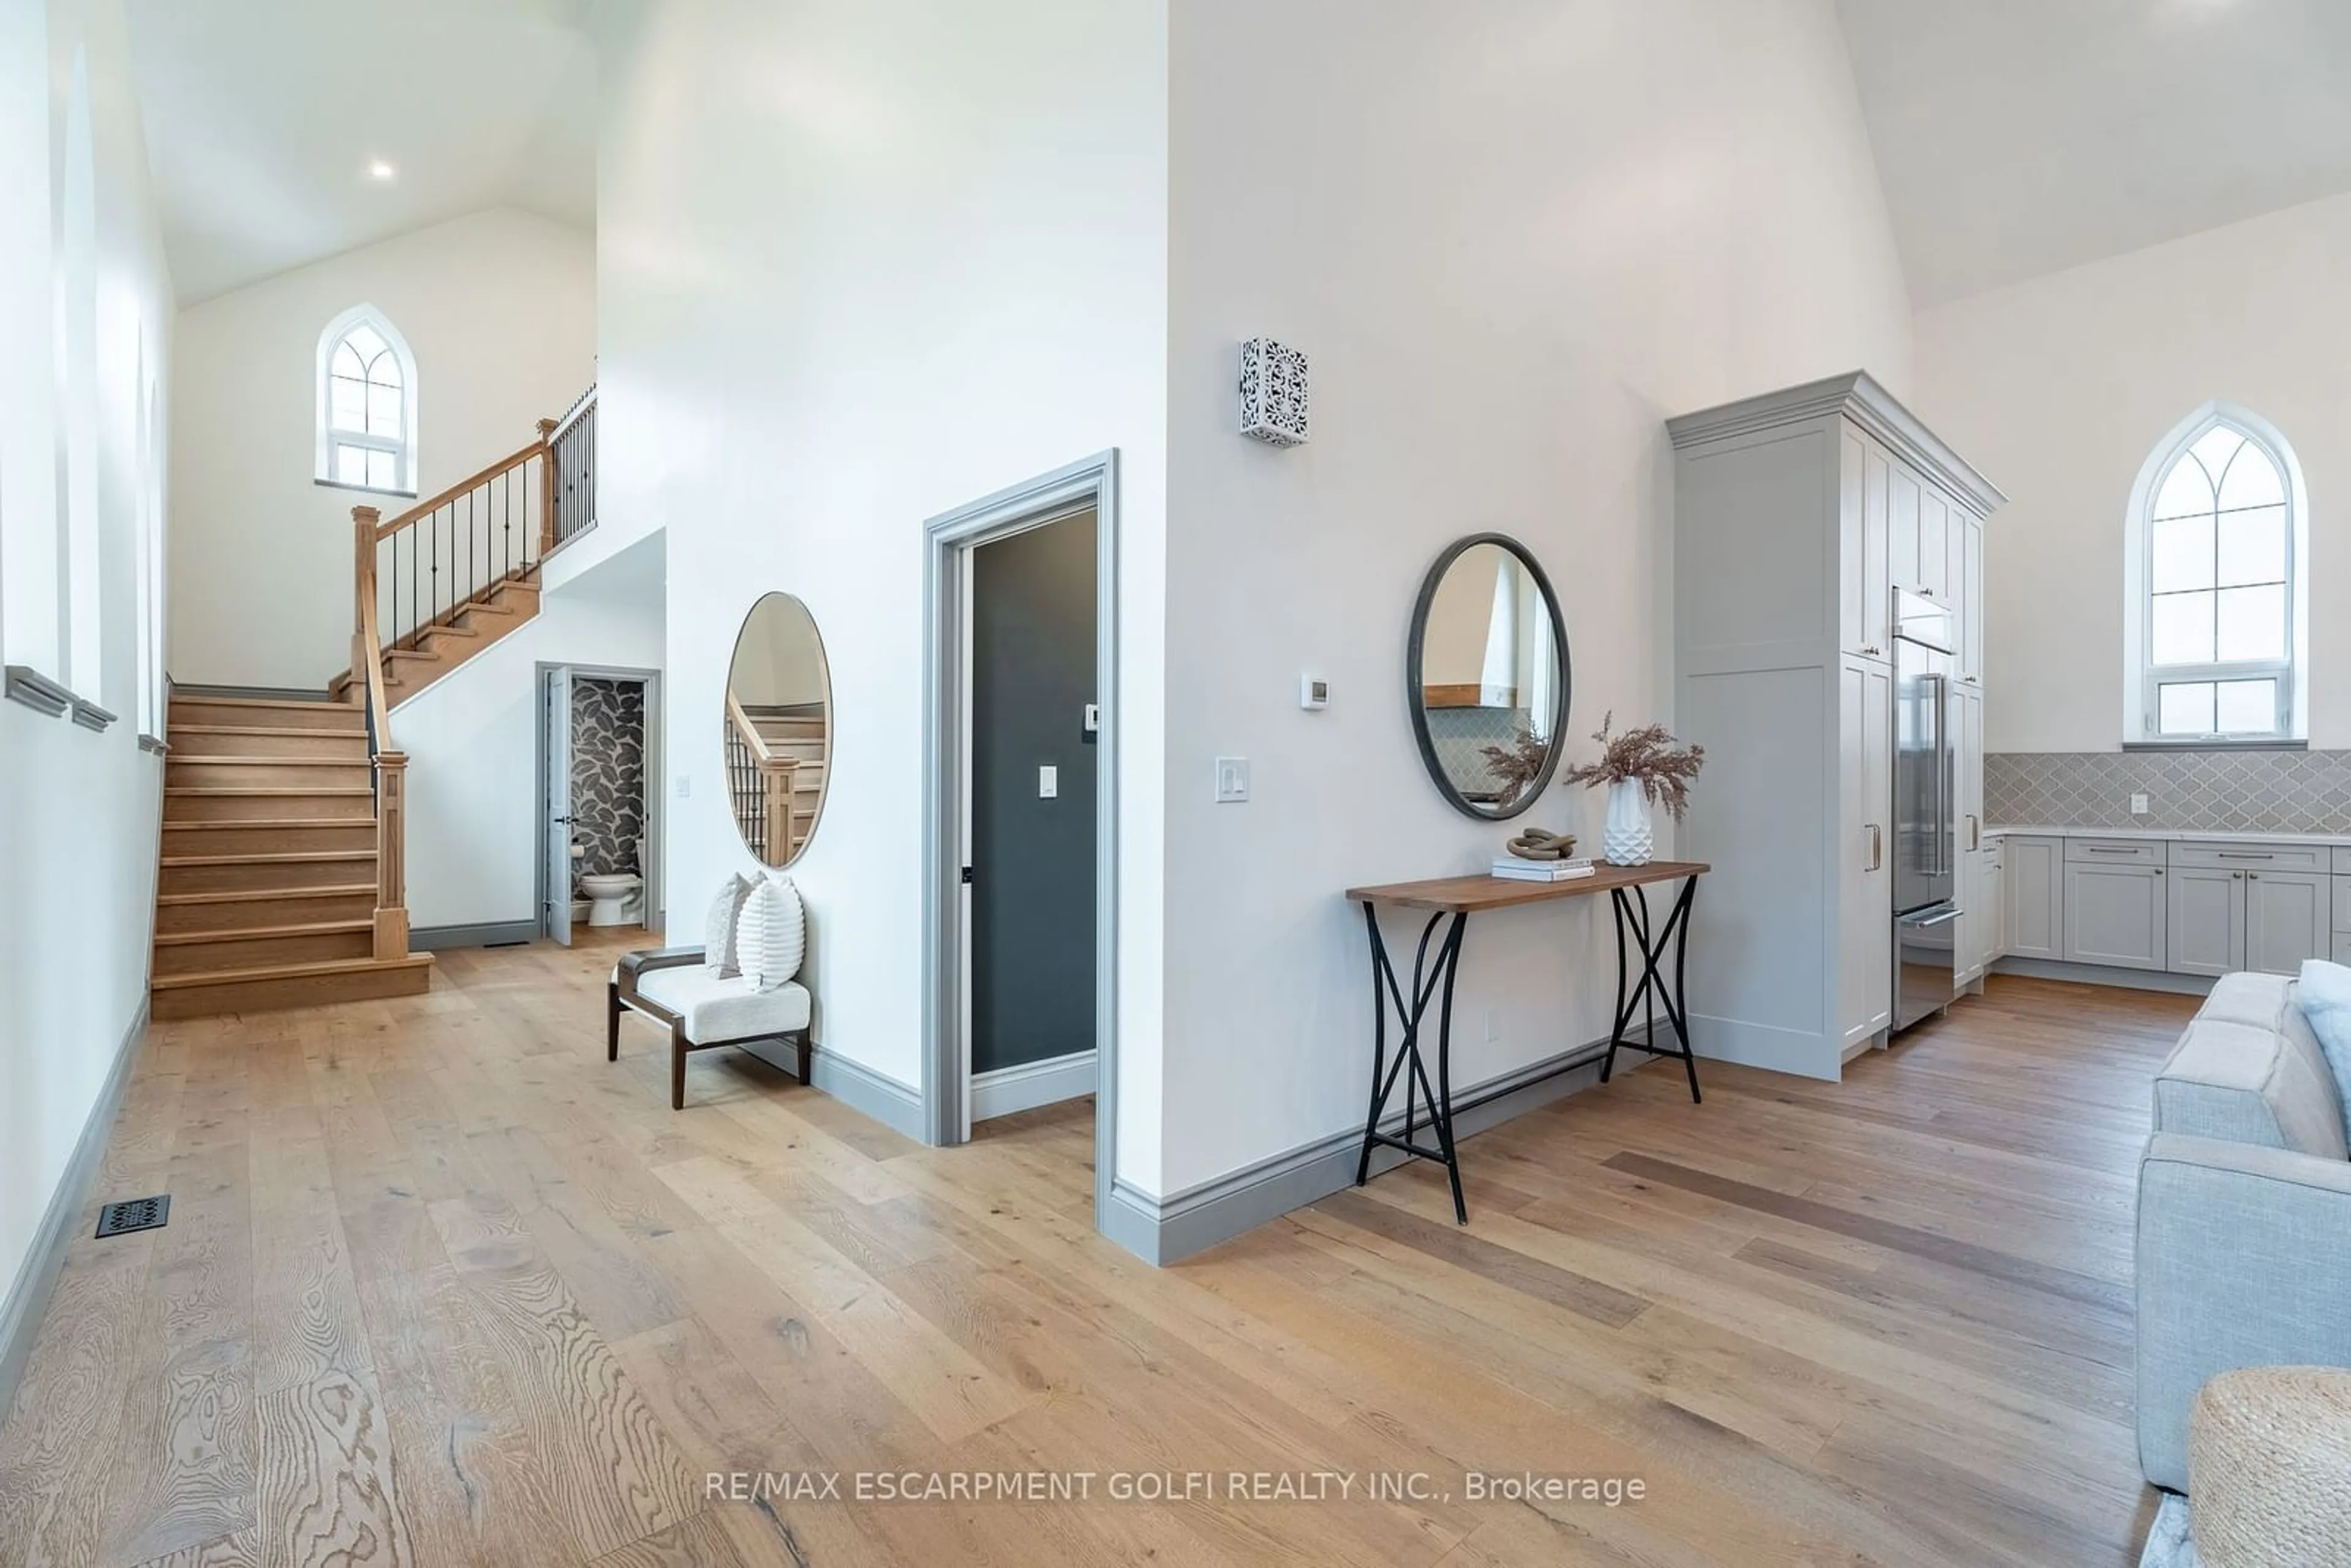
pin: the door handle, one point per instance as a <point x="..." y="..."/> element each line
<point x="1876" y="847"/>
<point x="1975" y="833"/>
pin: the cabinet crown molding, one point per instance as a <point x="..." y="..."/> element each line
<point x="1858" y="396"/>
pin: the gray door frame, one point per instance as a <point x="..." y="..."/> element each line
<point x="1090" y="483"/>
<point x="656" y="910"/>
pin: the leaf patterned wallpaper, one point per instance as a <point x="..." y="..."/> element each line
<point x="607" y="773"/>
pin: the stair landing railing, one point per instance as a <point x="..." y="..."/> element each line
<point x="759" y="786"/>
<point x="425" y="566"/>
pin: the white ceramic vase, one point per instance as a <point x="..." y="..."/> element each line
<point x="1625" y="838"/>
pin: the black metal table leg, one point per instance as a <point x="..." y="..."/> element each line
<point x="1650" y="993"/>
<point x="1412" y="1009"/>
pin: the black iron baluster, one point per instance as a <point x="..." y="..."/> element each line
<point x="506" y="542"/>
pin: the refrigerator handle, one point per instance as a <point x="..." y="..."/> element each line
<point x="1944" y="828"/>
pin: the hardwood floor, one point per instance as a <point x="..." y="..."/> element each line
<point x="441" y="1287"/>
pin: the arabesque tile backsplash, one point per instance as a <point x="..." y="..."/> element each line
<point x="2194" y="791"/>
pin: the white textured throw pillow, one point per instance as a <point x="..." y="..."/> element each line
<point x="769" y="938"/>
<point x="718" y="936"/>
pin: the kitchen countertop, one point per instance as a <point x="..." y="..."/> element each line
<point x="2166" y="835"/>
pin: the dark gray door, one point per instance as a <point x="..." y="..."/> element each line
<point x="1032" y="854"/>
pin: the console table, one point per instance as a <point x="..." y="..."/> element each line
<point x="1454" y="899"/>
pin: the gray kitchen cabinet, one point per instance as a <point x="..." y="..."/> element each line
<point x="1995" y="898"/>
<point x="1968" y="577"/>
<point x="1863" y="596"/>
<point x="2115" y="914"/>
<point x="1865" y="759"/>
<point x="2204" y="926"/>
<point x="2289" y="917"/>
<point x="1783" y="572"/>
<point x="1935" y="544"/>
<point x="2033" y="870"/>
<point x="1972" y="941"/>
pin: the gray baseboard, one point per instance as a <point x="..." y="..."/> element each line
<point x="28" y="1297"/>
<point x="2105" y="975"/>
<point x="1167" y="1230"/>
<point x="433" y="938"/>
<point x="885" y="1100"/>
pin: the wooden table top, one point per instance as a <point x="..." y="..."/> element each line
<point x="1466" y="894"/>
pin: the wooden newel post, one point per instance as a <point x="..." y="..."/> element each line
<point x="546" y="486"/>
<point x="776" y="787"/>
<point x="390" y="877"/>
<point x="364" y="525"/>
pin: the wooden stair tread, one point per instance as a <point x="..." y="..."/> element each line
<point x="217" y="758"/>
<point x="277" y="857"/>
<point x="242" y="823"/>
<point x="248" y="894"/>
<point x="269" y="789"/>
<point x="289" y="971"/>
<point x="298" y="731"/>
<point x="305" y="705"/>
<point x="262" y="933"/>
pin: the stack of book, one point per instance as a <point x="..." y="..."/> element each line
<point x="1516" y="870"/>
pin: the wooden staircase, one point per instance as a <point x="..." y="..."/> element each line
<point x="283" y="880"/>
<point x="267" y="893"/>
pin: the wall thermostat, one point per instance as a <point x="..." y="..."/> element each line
<point x="1314" y="691"/>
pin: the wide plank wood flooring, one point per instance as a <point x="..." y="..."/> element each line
<point x="443" y="1287"/>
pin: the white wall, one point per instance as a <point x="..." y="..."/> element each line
<point x="1513" y="237"/>
<point x="2058" y="389"/>
<point x="499" y="310"/>
<point x="472" y="737"/>
<point x="859" y="264"/>
<point x="78" y="809"/>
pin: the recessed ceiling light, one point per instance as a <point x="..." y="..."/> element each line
<point x="379" y="169"/>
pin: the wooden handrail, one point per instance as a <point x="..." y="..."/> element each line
<point x="752" y="738"/>
<point x="390" y="764"/>
<point x="457" y="492"/>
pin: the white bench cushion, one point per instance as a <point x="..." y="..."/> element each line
<point x="728" y="1009"/>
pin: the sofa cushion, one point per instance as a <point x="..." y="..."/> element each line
<point x="2250" y="1071"/>
<point x="731" y="1008"/>
<point x="2324" y="995"/>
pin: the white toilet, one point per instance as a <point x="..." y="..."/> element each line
<point x="617" y="898"/>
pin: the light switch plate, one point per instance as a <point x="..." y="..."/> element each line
<point x="2138" y="805"/>
<point x="1049" y="782"/>
<point x="685" y="786"/>
<point x="1232" y="780"/>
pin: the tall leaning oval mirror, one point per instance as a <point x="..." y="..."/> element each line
<point x="1486" y="676"/>
<point x="778" y="729"/>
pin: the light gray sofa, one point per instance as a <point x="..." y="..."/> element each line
<point x="2244" y="1211"/>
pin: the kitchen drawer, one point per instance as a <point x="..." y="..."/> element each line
<point x="2252" y="857"/>
<point x="2341" y="911"/>
<point x="2115" y="851"/>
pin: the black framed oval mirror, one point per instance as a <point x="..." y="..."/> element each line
<point x="1487" y="677"/>
<point x="778" y="730"/>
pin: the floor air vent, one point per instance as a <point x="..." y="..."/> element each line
<point x="136" y="1214"/>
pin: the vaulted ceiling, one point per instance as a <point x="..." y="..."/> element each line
<point x="263" y="117"/>
<point x="2019" y="137"/>
<point x="2013" y="137"/>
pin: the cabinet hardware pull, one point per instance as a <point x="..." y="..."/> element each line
<point x="1876" y="847"/>
<point x="2105" y="850"/>
<point x="2236" y="876"/>
<point x="1975" y="833"/>
<point x="2242" y="855"/>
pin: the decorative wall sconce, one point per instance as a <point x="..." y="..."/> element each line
<point x="1274" y="404"/>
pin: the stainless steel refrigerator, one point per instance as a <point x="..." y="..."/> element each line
<point x="1925" y="827"/>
